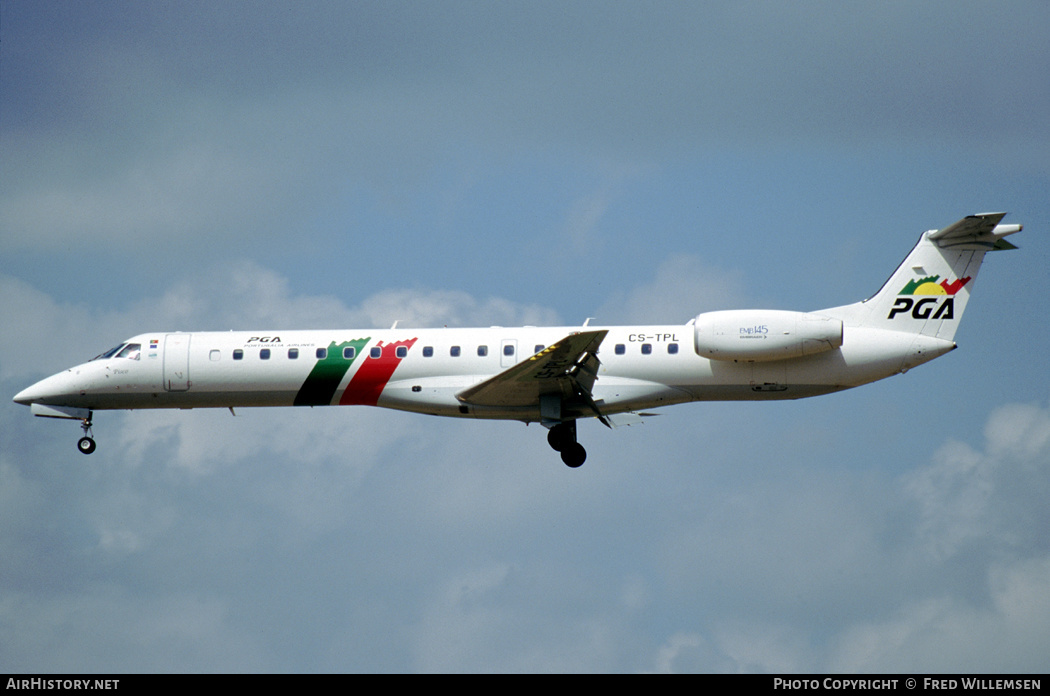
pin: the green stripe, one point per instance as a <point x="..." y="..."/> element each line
<point x="324" y="379"/>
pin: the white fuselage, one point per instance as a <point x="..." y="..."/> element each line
<point x="422" y="370"/>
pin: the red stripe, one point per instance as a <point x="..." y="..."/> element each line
<point x="371" y="378"/>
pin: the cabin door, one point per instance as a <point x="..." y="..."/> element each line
<point x="177" y="362"/>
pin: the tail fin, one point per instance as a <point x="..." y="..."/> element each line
<point x="928" y="292"/>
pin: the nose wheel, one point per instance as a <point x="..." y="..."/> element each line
<point x="86" y="444"/>
<point x="562" y="439"/>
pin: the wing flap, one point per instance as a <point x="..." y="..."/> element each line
<point x="567" y="368"/>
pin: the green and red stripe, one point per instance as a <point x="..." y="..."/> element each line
<point x="323" y="381"/>
<point x="368" y="382"/>
<point x="365" y="386"/>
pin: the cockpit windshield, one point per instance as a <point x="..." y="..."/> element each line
<point x="124" y="350"/>
<point x="108" y="354"/>
<point x="131" y="351"/>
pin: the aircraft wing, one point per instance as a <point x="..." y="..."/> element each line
<point x="567" y="369"/>
<point x="981" y="231"/>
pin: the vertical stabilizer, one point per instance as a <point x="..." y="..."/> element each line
<point x="929" y="291"/>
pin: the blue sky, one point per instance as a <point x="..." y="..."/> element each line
<point x="183" y="166"/>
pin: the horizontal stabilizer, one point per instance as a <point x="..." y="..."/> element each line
<point x="981" y="231"/>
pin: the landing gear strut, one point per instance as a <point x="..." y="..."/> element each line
<point x="86" y="444"/>
<point x="562" y="438"/>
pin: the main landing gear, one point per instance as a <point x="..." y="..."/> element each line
<point x="562" y="438"/>
<point x="86" y="444"/>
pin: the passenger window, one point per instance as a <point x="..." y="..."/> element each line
<point x="375" y="352"/>
<point x="293" y="353"/>
<point x="428" y="351"/>
<point x="131" y="351"/>
<point x="483" y="351"/>
<point x="321" y="353"/>
<point x="647" y="348"/>
<point x="620" y="349"/>
<point x="401" y="351"/>
<point x="538" y="348"/>
<point x="454" y="351"/>
<point x="349" y="353"/>
<point x="672" y="348"/>
<point x="215" y="355"/>
<point x="238" y="354"/>
<point x="508" y="349"/>
<point x="264" y="354"/>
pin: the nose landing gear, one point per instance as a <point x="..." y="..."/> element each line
<point x="86" y="444"/>
<point x="562" y="439"/>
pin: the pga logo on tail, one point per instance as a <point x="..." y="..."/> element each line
<point x="938" y="300"/>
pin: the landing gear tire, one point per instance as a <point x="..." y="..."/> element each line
<point x="574" y="455"/>
<point x="561" y="436"/>
<point x="86" y="444"/>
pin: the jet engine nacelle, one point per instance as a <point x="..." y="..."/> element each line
<point x="757" y="335"/>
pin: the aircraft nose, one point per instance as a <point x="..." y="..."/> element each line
<point x="44" y="391"/>
<point x="27" y="396"/>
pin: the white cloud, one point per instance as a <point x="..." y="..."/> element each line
<point x="952" y="495"/>
<point x="450" y="308"/>
<point x="1019" y="433"/>
<point x="249" y="296"/>
<point x="54" y="335"/>
<point x="684" y="286"/>
<point x="949" y="634"/>
<point x="990" y="498"/>
<point x="43" y="333"/>
<point x="955" y="588"/>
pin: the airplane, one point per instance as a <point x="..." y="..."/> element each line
<point x="551" y="375"/>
